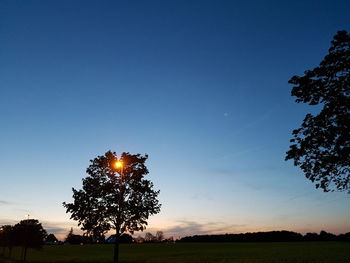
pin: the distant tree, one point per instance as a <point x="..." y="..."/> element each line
<point x="115" y="195"/>
<point x="325" y="236"/>
<point x="321" y="146"/>
<point x="159" y="236"/>
<point x="311" y="237"/>
<point x="344" y="237"/>
<point x="271" y="236"/>
<point x="170" y="239"/>
<point x="51" y="238"/>
<point x="70" y="233"/>
<point x="74" y="239"/>
<point x="149" y="237"/>
<point x="139" y="239"/>
<point x="29" y="233"/>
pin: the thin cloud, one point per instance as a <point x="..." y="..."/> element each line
<point x="60" y="229"/>
<point x="7" y="222"/>
<point x="202" y="196"/>
<point x="262" y="118"/>
<point x="189" y="227"/>
<point x="56" y="227"/>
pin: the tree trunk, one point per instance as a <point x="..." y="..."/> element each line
<point x="22" y="253"/>
<point x="25" y="254"/>
<point x="116" y="248"/>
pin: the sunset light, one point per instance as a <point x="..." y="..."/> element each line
<point x="118" y="164"/>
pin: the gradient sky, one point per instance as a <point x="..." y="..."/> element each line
<point x="200" y="86"/>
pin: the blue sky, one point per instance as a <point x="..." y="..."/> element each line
<point x="200" y="86"/>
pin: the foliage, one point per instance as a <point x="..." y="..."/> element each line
<point x="28" y="233"/>
<point x="111" y="197"/>
<point x="149" y="237"/>
<point x="270" y="236"/>
<point x="159" y="236"/>
<point x="76" y="239"/>
<point x="139" y="239"/>
<point x="7" y="237"/>
<point x="51" y="238"/>
<point x="321" y="146"/>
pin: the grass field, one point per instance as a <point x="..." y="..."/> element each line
<point x="298" y="252"/>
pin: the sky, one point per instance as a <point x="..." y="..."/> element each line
<point x="200" y="86"/>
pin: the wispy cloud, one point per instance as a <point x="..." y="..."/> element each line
<point x="190" y="227"/>
<point x="60" y="229"/>
<point x="260" y="119"/>
<point x="4" y="202"/>
<point x="252" y="123"/>
<point x="202" y="196"/>
<point x="55" y="227"/>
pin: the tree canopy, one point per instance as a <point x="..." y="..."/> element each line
<point x="7" y="238"/>
<point x="51" y="238"/>
<point x="321" y="146"/>
<point x="115" y="196"/>
<point x="29" y="233"/>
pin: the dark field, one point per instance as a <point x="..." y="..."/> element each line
<point x="298" y="252"/>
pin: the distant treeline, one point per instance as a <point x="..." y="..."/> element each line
<point x="271" y="236"/>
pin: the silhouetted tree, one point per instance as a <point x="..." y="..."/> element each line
<point x="325" y="236"/>
<point x="29" y="233"/>
<point x="170" y="239"/>
<point x="344" y="237"/>
<point x="70" y="233"/>
<point x="51" y="238"/>
<point x="115" y="197"/>
<point x="311" y="237"/>
<point x="139" y="239"/>
<point x="74" y="239"/>
<point x="159" y="236"/>
<point x="271" y="236"/>
<point x="321" y="146"/>
<point x="88" y="208"/>
<point x="2" y="241"/>
<point x="7" y="238"/>
<point x="149" y="238"/>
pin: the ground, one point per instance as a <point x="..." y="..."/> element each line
<point x="277" y="252"/>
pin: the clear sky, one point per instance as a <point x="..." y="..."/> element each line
<point x="200" y="86"/>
